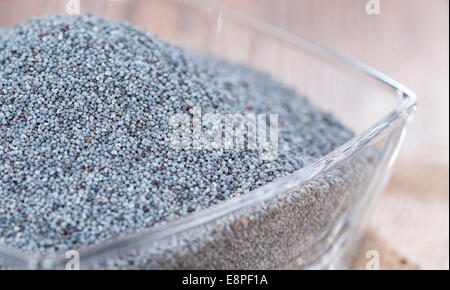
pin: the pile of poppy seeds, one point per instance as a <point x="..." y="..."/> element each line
<point x="85" y="105"/>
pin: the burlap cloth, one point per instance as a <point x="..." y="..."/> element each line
<point x="410" y="226"/>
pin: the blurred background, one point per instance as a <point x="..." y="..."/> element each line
<point x="408" y="41"/>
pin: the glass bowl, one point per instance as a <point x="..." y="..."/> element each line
<point x="311" y="219"/>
